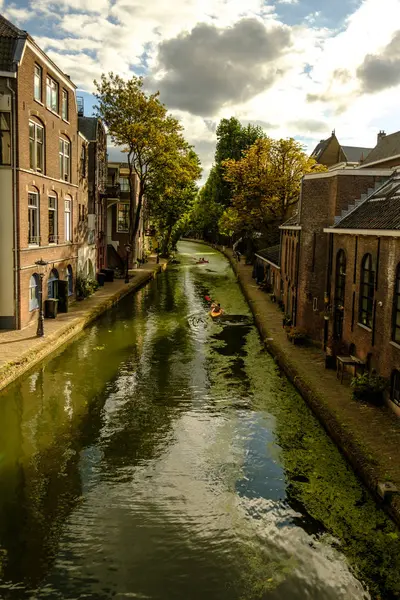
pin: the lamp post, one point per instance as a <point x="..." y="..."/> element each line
<point x="128" y="251"/>
<point x="41" y="264"/>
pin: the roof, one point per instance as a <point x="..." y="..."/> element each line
<point x="9" y="36"/>
<point x="320" y="148"/>
<point x="355" y="154"/>
<point x="381" y="210"/>
<point x="271" y="254"/>
<point x="292" y="222"/>
<point x="88" y="127"/>
<point x="388" y="146"/>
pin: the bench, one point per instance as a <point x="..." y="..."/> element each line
<point x="348" y="361"/>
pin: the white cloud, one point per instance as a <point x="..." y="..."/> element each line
<point x="96" y="37"/>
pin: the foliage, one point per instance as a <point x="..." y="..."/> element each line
<point x="85" y="286"/>
<point x="215" y="196"/>
<point x="287" y="320"/>
<point x="171" y="193"/>
<point x="265" y="183"/>
<point x="139" y="123"/>
<point x="368" y="387"/>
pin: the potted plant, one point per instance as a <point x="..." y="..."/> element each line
<point x="296" y="336"/>
<point x="369" y="388"/>
<point x="273" y="298"/>
<point x="287" y="320"/>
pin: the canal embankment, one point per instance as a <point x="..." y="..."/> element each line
<point x="368" y="436"/>
<point x="21" y="350"/>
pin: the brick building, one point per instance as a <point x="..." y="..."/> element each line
<point x="118" y="206"/>
<point x="364" y="282"/>
<point x="93" y="130"/>
<point x="40" y="177"/>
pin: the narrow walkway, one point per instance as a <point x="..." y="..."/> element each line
<point x="368" y="436"/>
<point x="20" y="350"/>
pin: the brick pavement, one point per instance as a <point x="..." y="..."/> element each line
<point x="20" y="350"/>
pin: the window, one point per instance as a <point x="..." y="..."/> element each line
<point x="83" y="161"/>
<point x="70" y="280"/>
<point x="67" y="220"/>
<point x="37" y="85"/>
<point x="395" y="388"/>
<point x="33" y="218"/>
<point x="123" y="218"/>
<point x="36" y="146"/>
<point x="5" y="139"/>
<point x="124" y="184"/>
<point x="64" y="107"/>
<point x="53" y="220"/>
<point x="51" y="94"/>
<point x="340" y="279"/>
<point x="64" y="155"/>
<point x="367" y="283"/>
<point x="52" y="284"/>
<point x="34" y="292"/>
<point x="396" y="307"/>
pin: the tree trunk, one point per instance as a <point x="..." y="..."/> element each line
<point x="166" y="241"/>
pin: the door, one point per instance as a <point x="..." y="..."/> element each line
<point x="340" y="288"/>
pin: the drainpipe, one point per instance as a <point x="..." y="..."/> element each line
<point x="15" y="211"/>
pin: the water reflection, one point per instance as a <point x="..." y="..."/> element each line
<point x="161" y="457"/>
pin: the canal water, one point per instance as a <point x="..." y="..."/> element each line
<point x="163" y="456"/>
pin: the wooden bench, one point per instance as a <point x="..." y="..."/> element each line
<point x="348" y="361"/>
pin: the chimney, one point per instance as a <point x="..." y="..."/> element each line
<point x="381" y="135"/>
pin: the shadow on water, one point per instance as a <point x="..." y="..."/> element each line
<point x="163" y="456"/>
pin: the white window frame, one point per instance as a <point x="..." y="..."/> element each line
<point x="37" y="83"/>
<point x="34" y="301"/>
<point x="33" y="240"/>
<point x="64" y="105"/>
<point x="35" y="145"/>
<point x="64" y="153"/>
<point x="52" y="94"/>
<point x="119" y="229"/>
<point x="124" y="184"/>
<point x="68" y="219"/>
<point x="54" y="210"/>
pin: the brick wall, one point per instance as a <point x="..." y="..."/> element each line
<point x="323" y="197"/>
<point x="48" y="182"/>
<point x="376" y="342"/>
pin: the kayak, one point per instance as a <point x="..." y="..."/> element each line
<point x="202" y="262"/>
<point x="216" y="314"/>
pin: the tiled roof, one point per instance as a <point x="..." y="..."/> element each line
<point x="271" y="254"/>
<point x="355" y="154"/>
<point x="292" y="222"/>
<point x="381" y="210"/>
<point x="9" y="36"/>
<point x="88" y="127"/>
<point x="388" y="146"/>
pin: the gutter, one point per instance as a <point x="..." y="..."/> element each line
<point x="15" y="211"/>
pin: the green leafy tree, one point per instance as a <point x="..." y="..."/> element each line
<point x="141" y="125"/>
<point x="171" y="192"/>
<point x="265" y="184"/>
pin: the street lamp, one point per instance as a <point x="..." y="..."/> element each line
<point x="128" y="251"/>
<point x="41" y="265"/>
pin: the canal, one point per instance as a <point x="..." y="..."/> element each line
<point x="163" y="456"/>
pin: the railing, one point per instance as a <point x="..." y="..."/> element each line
<point x="53" y="239"/>
<point x="113" y="191"/>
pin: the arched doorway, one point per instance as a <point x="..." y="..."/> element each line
<point x="340" y="288"/>
<point x="52" y="284"/>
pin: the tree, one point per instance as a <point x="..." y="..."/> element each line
<point x="171" y="192"/>
<point x="140" y="124"/>
<point x="265" y="184"/>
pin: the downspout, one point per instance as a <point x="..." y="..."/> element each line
<point x="15" y="208"/>
<point x="298" y="254"/>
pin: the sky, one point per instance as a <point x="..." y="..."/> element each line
<point x="298" y="68"/>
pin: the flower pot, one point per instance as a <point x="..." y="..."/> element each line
<point x="330" y="361"/>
